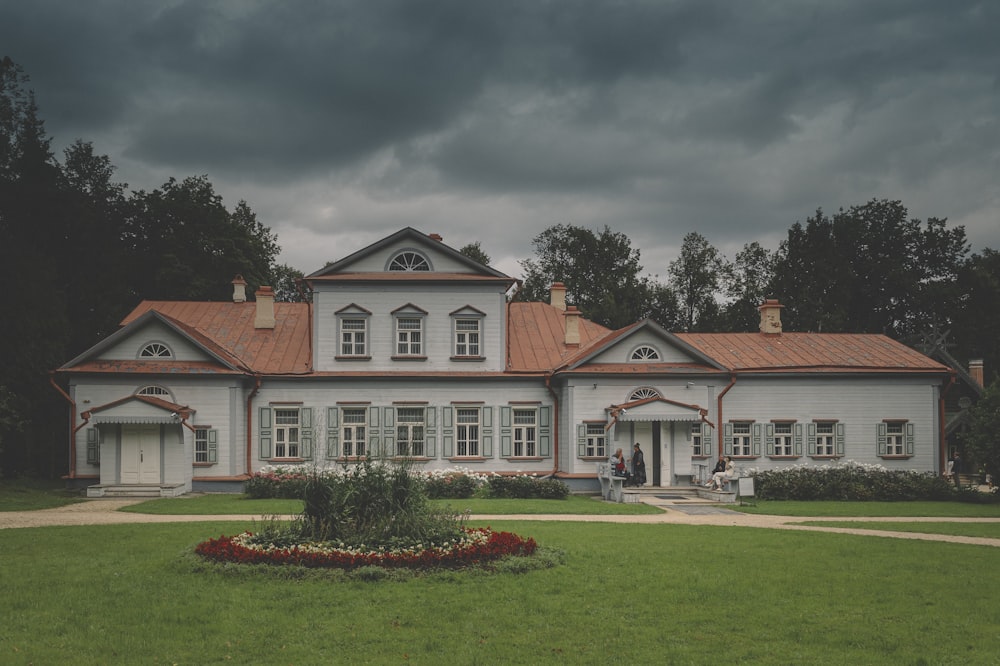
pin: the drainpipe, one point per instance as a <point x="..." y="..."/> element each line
<point x="718" y="431"/>
<point x="555" y="425"/>
<point x="942" y="437"/>
<point x="72" y="422"/>
<point x="250" y="398"/>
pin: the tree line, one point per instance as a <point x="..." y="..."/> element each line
<point x="79" y="250"/>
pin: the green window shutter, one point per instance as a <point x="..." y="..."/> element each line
<point x="388" y="441"/>
<point x="797" y="439"/>
<point x="727" y="436"/>
<point x="840" y="438"/>
<point x="581" y="439"/>
<point x="880" y="437"/>
<point x="544" y="432"/>
<point x="706" y="440"/>
<point x="264" y="432"/>
<point x="756" y="437"/>
<point x="910" y="438"/>
<point x="373" y="444"/>
<point x="213" y="446"/>
<point x="447" y="432"/>
<point x="506" y="433"/>
<point x="812" y="438"/>
<point x="487" y="432"/>
<point x="430" y="432"/>
<point x="93" y="447"/>
<point x="769" y="436"/>
<point x="306" y="439"/>
<point x="373" y="417"/>
<point x="332" y="432"/>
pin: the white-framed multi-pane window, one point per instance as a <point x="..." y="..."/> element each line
<point x="826" y="438"/>
<point x="895" y="443"/>
<point x="644" y="353"/>
<point x="155" y="391"/>
<point x="467" y="431"/>
<point x="409" y="260"/>
<point x="410" y="431"/>
<point x="206" y="445"/>
<point x="354" y="336"/>
<point x="697" y="440"/>
<point x="287" y="431"/>
<point x="741" y="438"/>
<point x="155" y="350"/>
<point x="409" y="336"/>
<point x="353" y="432"/>
<point x="784" y="438"/>
<point x="597" y="441"/>
<point x="525" y="433"/>
<point x="467" y="335"/>
<point x="643" y="393"/>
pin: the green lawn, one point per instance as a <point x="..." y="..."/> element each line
<point x="31" y="495"/>
<point x="626" y="593"/>
<point x="229" y="504"/>
<point x="873" y="509"/>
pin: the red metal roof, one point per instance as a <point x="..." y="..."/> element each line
<point x="537" y="337"/>
<point x="229" y="327"/>
<point x="811" y="352"/>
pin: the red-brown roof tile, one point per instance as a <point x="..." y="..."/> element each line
<point x="537" y="337"/>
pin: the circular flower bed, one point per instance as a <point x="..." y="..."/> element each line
<point x="476" y="546"/>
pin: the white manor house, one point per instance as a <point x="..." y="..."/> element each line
<point x="411" y="350"/>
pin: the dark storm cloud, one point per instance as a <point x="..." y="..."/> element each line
<point x="490" y="121"/>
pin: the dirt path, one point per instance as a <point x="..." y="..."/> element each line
<point x="106" y="512"/>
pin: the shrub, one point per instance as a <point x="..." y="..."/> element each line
<point x="849" y="481"/>
<point x="276" y="483"/>
<point x="526" y="487"/>
<point x="452" y="484"/>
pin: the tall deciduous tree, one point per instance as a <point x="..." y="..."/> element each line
<point x="696" y="277"/>
<point x="600" y="271"/>
<point x="475" y="252"/>
<point x="746" y="283"/>
<point x="981" y="439"/>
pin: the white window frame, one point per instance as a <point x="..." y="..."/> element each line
<point x="287" y="432"/>
<point x="597" y="441"/>
<point x="201" y="444"/>
<point x="525" y="432"/>
<point x="742" y="439"/>
<point x="411" y="432"/>
<point x="155" y="349"/>
<point x="468" y="432"/>
<point x="895" y="438"/>
<point x="353" y="341"/>
<point x="643" y="393"/>
<point x="697" y="439"/>
<point x="154" y="391"/>
<point x="467" y="341"/>
<point x="826" y="438"/>
<point x="784" y="438"/>
<point x="354" y="431"/>
<point x="409" y="261"/>
<point x="645" y="353"/>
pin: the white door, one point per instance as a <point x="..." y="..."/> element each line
<point x="140" y="453"/>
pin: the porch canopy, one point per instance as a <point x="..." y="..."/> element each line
<point x="655" y="409"/>
<point x="138" y="409"/>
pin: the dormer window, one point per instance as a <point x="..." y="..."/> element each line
<point x="155" y="350"/>
<point x="644" y="393"/>
<point x="408" y="260"/>
<point x="645" y="353"/>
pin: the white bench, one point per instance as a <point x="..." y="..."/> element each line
<point x="611" y="485"/>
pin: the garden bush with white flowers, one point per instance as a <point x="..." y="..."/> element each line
<point x="851" y="481"/>
<point x="369" y="514"/>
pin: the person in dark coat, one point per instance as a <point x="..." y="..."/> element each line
<point x="638" y="466"/>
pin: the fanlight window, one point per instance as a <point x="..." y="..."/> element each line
<point x="645" y="353"/>
<point x="409" y="261"/>
<point x="643" y="393"/>
<point x="153" y="390"/>
<point x="155" y="350"/>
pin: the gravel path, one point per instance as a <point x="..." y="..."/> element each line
<point x="106" y="512"/>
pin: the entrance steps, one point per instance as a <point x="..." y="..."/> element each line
<point x="686" y="494"/>
<point x="137" y="490"/>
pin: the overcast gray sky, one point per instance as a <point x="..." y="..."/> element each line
<point x="340" y="122"/>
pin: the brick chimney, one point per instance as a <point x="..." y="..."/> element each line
<point x="572" y="326"/>
<point x="770" y="316"/>
<point x="239" y="289"/>
<point x="265" y="308"/>
<point x="976" y="370"/>
<point x="557" y="295"/>
<point x="436" y="237"/>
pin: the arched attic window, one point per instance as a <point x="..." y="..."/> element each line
<point x="155" y="350"/>
<point x="645" y="353"/>
<point x="156" y="391"/>
<point x="643" y="393"/>
<point x="408" y="260"/>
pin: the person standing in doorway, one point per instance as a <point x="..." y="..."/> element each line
<point x="638" y="466"/>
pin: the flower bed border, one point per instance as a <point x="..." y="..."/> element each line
<point x="480" y="545"/>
